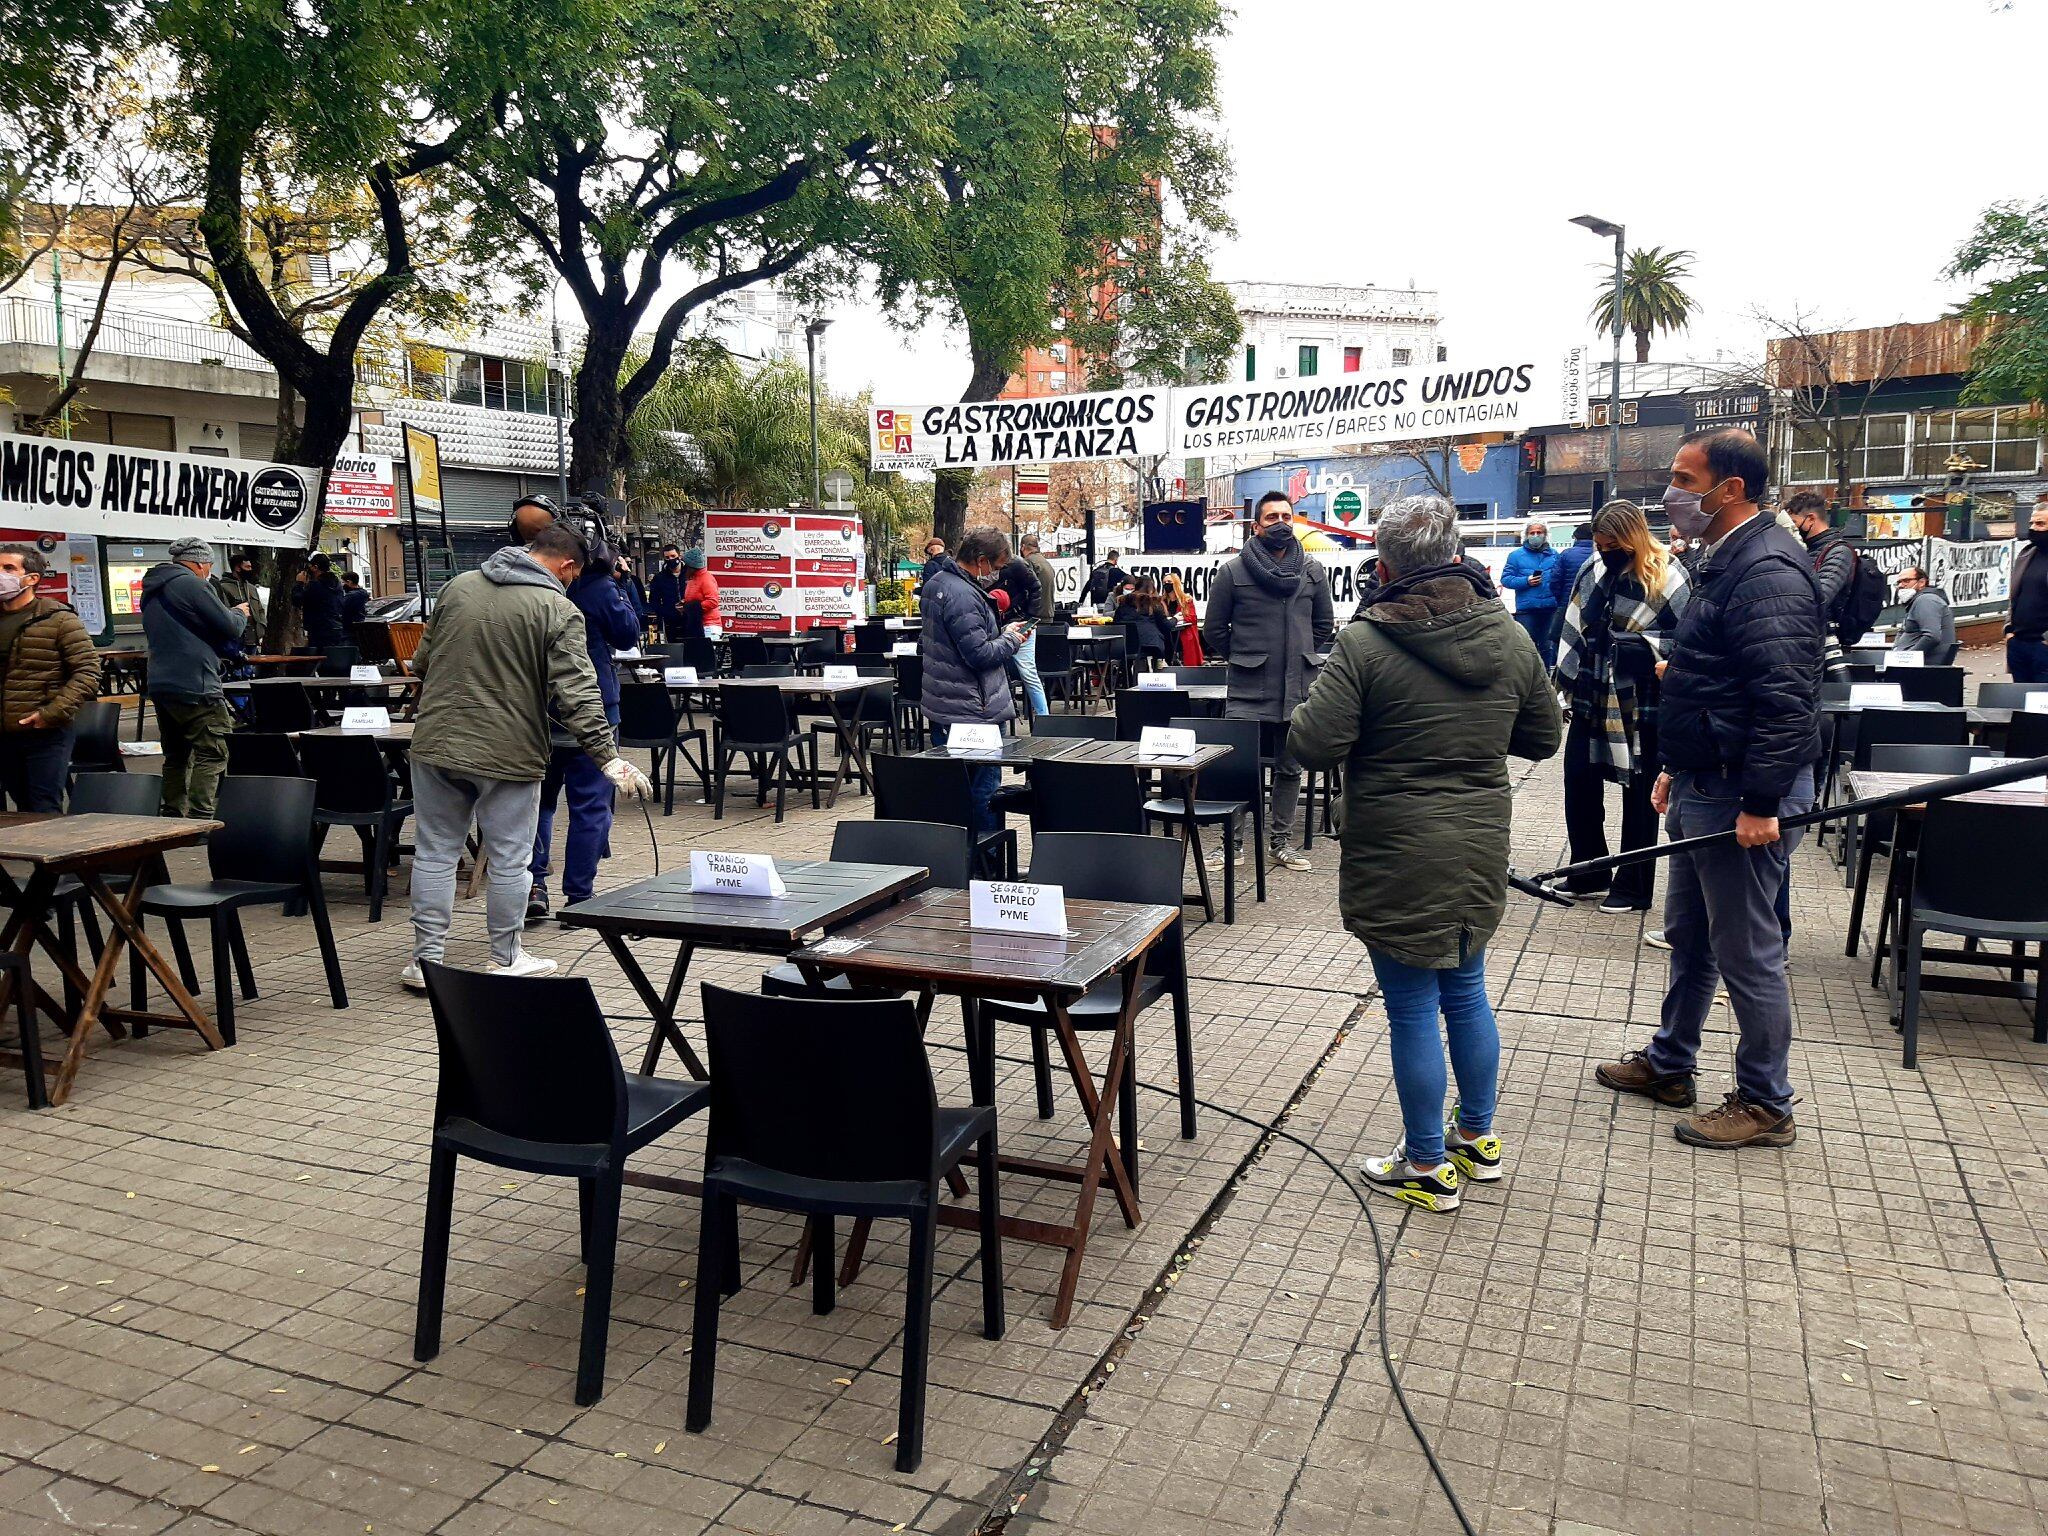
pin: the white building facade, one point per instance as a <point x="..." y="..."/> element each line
<point x="1316" y="330"/>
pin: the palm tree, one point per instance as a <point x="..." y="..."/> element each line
<point x="1651" y="299"/>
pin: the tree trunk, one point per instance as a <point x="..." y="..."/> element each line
<point x="1642" y="345"/>
<point x="949" y="495"/>
<point x="597" y="436"/>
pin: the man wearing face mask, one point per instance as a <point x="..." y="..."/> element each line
<point x="1738" y="734"/>
<point x="238" y="589"/>
<point x="48" y="672"/>
<point x="2026" y="637"/>
<point x="964" y="650"/>
<point x="1269" y="613"/>
<point x="1929" y="626"/>
<point x="665" y="593"/>
<point x="1527" y="575"/>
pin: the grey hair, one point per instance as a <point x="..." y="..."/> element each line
<point x="1417" y="532"/>
<point x="33" y="560"/>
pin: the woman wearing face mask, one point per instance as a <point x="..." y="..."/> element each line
<point x="1527" y="575"/>
<point x="1623" y="611"/>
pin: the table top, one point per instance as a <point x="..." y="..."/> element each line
<point x="821" y="893"/>
<point x="397" y="734"/>
<point x="1867" y="782"/>
<point x="1977" y="714"/>
<point x="1015" y="751"/>
<point x="1021" y="751"/>
<point x="927" y="940"/>
<point x="123" y="653"/>
<point x="812" y="685"/>
<point x="320" y="682"/>
<point x="41" y="838"/>
<point x="1198" y="693"/>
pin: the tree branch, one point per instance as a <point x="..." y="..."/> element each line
<point x="662" y="345"/>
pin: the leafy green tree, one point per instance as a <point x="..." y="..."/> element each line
<point x="1070" y="117"/>
<point x="1652" y="299"/>
<point x="732" y="142"/>
<point x="2007" y="256"/>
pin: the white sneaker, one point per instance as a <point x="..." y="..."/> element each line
<point x="1399" y="1179"/>
<point x="412" y="978"/>
<point x="1289" y="858"/>
<point x="1654" y="937"/>
<point x="525" y="964"/>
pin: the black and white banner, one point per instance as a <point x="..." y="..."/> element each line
<point x="1050" y="429"/>
<point x="137" y="493"/>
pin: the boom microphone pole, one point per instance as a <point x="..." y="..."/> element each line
<point x="1919" y="794"/>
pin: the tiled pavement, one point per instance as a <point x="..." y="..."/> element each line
<point x="207" y="1268"/>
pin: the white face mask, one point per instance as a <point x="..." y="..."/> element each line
<point x="11" y="586"/>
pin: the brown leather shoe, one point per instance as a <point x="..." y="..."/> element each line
<point x="1735" y="1122"/>
<point x="1634" y="1074"/>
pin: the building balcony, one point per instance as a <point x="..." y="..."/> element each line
<point x="163" y="351"/>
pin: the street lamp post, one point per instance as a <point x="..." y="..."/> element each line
<point x="1604" y="228"/>
<point x="812" y="332"/>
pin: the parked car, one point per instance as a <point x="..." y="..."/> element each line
<point x="401" y="609"/>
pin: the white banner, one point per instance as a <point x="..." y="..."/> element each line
<point x="362" y="489"/>
<point x="1051" y="429"/>
<point x="138" y="493"/>
<point x="1341" y="566"/>
<point x="1976" y="575"/>
<point x="1501" y="394"/>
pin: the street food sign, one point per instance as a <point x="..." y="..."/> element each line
<point x="140" y="493"/>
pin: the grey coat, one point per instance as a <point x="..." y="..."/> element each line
<point x="1266" y="616"/>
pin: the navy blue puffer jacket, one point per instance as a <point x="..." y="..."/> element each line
<point x="963" y="651"/>
<point x="1742" y="692"/>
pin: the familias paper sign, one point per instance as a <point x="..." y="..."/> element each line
<point x="1053" y="429"/>
<point x="1012" y="906"/>
<point x="138" y="493"/>
<point x="974" y="738"/>
<point x="365" y="718"/>
<point x="734" y="874"/>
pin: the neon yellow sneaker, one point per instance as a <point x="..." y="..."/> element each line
<point x="1398" y="1179"/>
<point x="1478" y="1157"/>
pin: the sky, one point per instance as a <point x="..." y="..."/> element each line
<point x="1817" y="155"/>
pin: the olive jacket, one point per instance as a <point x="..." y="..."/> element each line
<point x="51" y="669"/>
<point x="1425" y="696"/>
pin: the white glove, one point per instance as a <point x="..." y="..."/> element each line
<point x="628" y="780"/>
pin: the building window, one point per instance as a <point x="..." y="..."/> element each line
<point x="1059" y="352"/>
<point x="1880" y="455"/>
<point x="1353" y="356"/>
<point x="1305" y="357"/>
<point x="2003" y="440"/>
<point x="1251" y="364"/>
<point x="1403" y="356"/>
<point x="1058" y="379"/>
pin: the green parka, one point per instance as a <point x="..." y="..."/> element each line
<point x="1422" y="701"/>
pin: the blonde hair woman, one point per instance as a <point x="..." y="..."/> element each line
<point x="1182" y="607"/>
<point x="1623" y="612"/>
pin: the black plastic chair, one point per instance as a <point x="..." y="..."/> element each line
<point x="702" y="653"/>
<point x="96" y="748"/>
<point x="530" y="1079"/>
<point x="265" y="755"/>
<point x="822" y="644"/>
<point x="1113" y="867"/>
<point x="1057" y="669"/>
<point x="1137" y="708"/>
<point x="2007" y="695"/>
<point x="651" y="722"/>
<point x="2027" y="736"/>
<point x="335" y="660"/>
<point x="936" y="789"/>
<point x="872" y="639"/>
<point x="1085" y="727"/>
<point x="747" y="651"/>
<point x="1877" y="727"/>
<point x="756" y="721"/>
<point x="1882" y="832"/>
<point x="827" y="1109"/>
<point x="874" y="720"/>
<point x="944" y="852"/>
<point x="1959" y="888"/>
<point x="1928" y="685"/>
<point x="355" y="789"/>
<point x="261" y="857"/>
<point x="281" y="708"/>
<point x="1086" y="797"/>
<point x="1226" y="793"/>
<point x="910" y="698"/>
<point x="767" y="669"/>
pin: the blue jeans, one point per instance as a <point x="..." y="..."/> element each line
<point x="1414" y="998"/>
<point x="2027" y="660"/>
<point x="1541" y="623"/>
<point x="590" y="822"/>
<point x="1025" y="665"/>
<point x="34" y="766"/>
<point x="983" y="780"/>
<point x="1721" y="918"/>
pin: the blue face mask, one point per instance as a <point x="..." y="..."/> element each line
<point x="1536" y="543"/>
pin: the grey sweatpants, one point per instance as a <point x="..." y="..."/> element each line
<point x="505" y="813"/>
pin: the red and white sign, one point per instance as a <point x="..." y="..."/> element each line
<point x="758" y="539"/>
<point x="74" y="574"/>
<point x="362" y="489"/>
<point x="756" y="602"/>
<point x="827" y="599"/>
<point x="828" y="541"/>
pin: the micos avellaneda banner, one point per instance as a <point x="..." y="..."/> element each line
<point x="139" y="493"/>
<point x="1496" y="394"/>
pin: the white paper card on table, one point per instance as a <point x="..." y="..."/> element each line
<point x="1157" y="682"/>
<point x="366" y="718"/>
<point x="1166" y="741"/>
<point x="2034" y="786"/>
<point x="734" y="874"/>
<point x="899" y="623"/>
<point x="1870" y="641"/>
<point x="714" y="631"/>
<point x="1906" y="659"/>
<point x="679" y="677"/>
<point x="1861" y="695"/>
<point x="975" y="738"/>
<point x="1012" y="906"/>
<point x="2037" y="703"/>
<point x="839" y="674"/>
<point x="1081" y="631"/>
<point x="903" y="648"/>
<point x="365" y="674"/>
<point x="632" y="654"/>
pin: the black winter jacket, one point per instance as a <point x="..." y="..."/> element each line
<point x="963" y="651"/>
<point x="1741" y="694"/>
<point x="318" y="599"/>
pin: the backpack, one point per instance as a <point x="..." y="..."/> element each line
<point x="1859" y="603"/>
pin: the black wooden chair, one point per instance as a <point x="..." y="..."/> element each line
<point x="936" y="789"/>
<point x="1959" y="888"/>
<point x="2007" y="695"/>
<point x="650" y="722"/>
<point x="1057" y="669"/>
<point x="756" y="721"/>
<point x="2027" y="736"/>
<point x="356" y="790"/>
<point x="281" y="708"/>
<point x="1227" y="792"/>
<point x="261" y="857"/>
<point x="530" y="1079"/>
<point x="1112" y="867"/>
<point x="1877" y="727"/>
<point x="827" y="1109"/>
<point x="940" y="848"/>
<point x="1928" y="685"/>
<point x="1085" y="797"/>
<point x="264" y="755"/>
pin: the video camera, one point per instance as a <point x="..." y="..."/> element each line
<point x="597" y="524"/>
